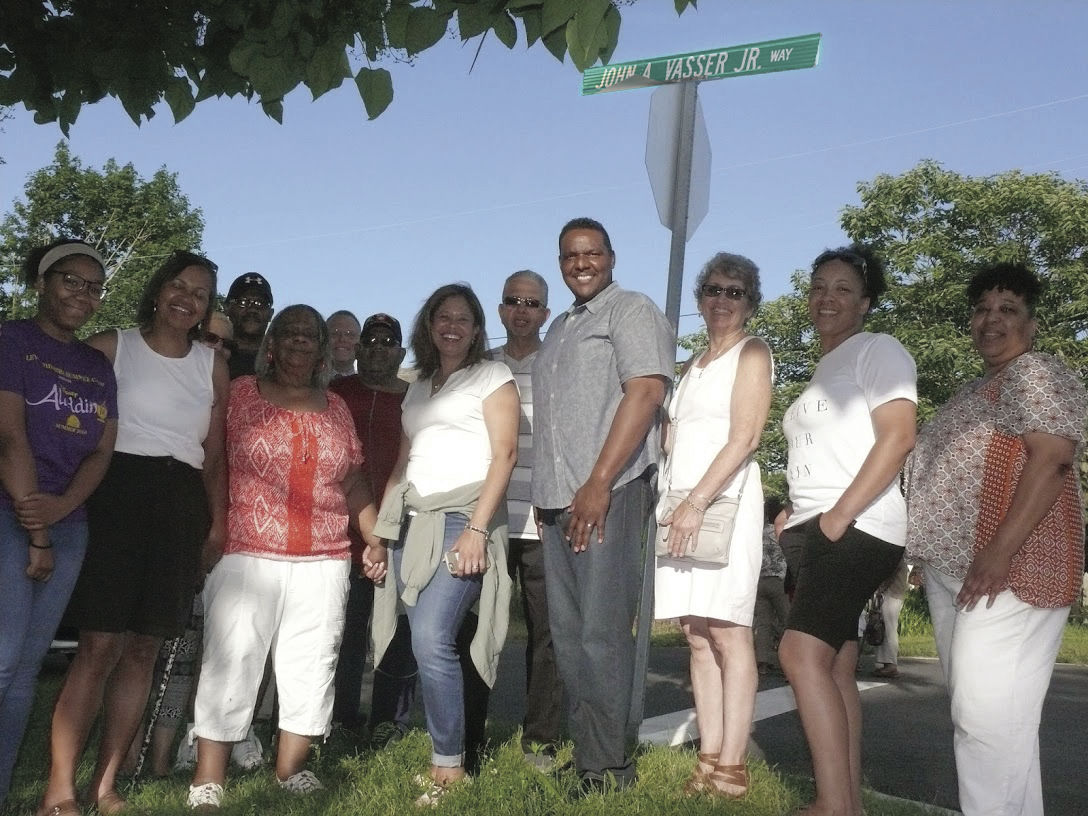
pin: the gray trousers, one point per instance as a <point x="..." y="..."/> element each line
<point x="593" y="597"/>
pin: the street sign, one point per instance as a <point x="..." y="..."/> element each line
<point x="667" y="180"/>
<point x="790" y="54"/>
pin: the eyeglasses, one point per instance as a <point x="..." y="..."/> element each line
<point x="379" y="340"/>
<point x="711" y="290"/>
<point x="343" y="334"/>
<point x="528" y="303"/>
<point x="249" y="303"/>
<point x="192" y="259"/>
<point x="74" y="283"/>
<point x="210" y="338"/>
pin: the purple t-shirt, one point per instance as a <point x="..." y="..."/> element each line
<point x="69" y="392"/>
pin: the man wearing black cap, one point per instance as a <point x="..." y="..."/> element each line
<point x="373" y="396"/>
<point x="249" y="307"/>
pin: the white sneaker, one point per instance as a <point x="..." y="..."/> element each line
<point x="185" y="759"/>
<point x="301" y="783"/>
<point x="248" y="754"/>
<point x="208" y="796"/>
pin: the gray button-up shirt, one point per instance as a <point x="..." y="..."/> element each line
<point x="588" y="353"/>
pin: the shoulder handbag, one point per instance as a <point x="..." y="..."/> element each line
<point x="712" y="544"/>
<point x="874" y="620"/>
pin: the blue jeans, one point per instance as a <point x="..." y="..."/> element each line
<point x="30" y="612"/>
<point x="435" y="620"/>
<point x="593" y="597"/>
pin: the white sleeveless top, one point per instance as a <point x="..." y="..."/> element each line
<point x="164" y="404"/>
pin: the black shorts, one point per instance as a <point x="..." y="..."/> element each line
<point x="147" y="523"/>
<point x="834" y="579"/>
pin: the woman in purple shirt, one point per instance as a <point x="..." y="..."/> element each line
<point x="58" y="421"/>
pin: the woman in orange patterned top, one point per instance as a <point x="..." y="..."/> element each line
<point x="995" y="517"/>
<point x="281" y="585"/>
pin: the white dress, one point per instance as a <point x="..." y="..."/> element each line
<point x="700" y="416"/>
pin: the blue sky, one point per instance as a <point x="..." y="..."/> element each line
<point x="469" y="176"/>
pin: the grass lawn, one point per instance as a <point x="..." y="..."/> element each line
<point x="364" y="782"/>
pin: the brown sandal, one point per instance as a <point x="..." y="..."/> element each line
<point x="699" y="779"/>
<point x="110" y="802"/>
<point x="735" y="776"/>
<point x="67" y="807"/>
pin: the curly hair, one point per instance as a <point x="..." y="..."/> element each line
<point x="732" y="266"/>
<point x="1017" y="278"/>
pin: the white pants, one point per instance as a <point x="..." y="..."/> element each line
<point x="887" y="653"/>
<point x="997" y="663"/>
<point x="295" y="609"/>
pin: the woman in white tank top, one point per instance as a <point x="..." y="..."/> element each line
<point x="717" y="415"/>
<point x="161" y="505"/>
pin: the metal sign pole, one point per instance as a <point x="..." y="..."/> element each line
<point x="681" y="193"/>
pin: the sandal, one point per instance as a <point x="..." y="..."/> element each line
<point x="735" y="776"/>
<point x="109" y="803"/>
<point x="66" y="807"/>
<point x="698" y="781"/>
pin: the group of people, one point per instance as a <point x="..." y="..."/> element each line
<point x="317" y="509"/>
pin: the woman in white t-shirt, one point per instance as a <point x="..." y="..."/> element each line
<point x="848" y="434"/>
<point x="444" y="516"/>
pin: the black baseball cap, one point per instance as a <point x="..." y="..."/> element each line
<point x="250" y="280"/>
<point x="386" y="321"/>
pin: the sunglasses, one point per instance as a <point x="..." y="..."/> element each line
<point x="250" y="303"/>
<point x="192" y="259"/>
<point x="379" y="340"/>
<point x="711" y="290"/>
<point x="528" y="303"/>
<point x="212" y="339"/>
<point x="74" y="283"/>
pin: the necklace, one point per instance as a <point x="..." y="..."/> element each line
<point x="707" y="360"/>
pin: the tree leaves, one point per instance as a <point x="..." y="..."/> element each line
<point x="134" y="222"/>
<point x="376" y="88"/>
<point x="56" y="58"/>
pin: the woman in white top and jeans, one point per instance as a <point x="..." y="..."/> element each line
<point x="848" y="434"/>
<point x="444" y="508"/>
<point x="163" y="499"/>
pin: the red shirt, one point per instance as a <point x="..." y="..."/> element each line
<point x="286" y="469"/>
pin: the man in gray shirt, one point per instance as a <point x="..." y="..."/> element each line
<point x="598" y="381"/>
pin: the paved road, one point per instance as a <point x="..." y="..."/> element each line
<point x="907" y="732"/>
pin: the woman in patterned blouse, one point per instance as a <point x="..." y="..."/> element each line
<point x="281" y="585"/>
<point x="995" y="518"/>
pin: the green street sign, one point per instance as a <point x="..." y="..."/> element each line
<point x="789" y="54"/>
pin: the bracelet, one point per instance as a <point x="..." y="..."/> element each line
<point x="693" y="506"/>
<point x="479" y="530"/>
<point x="41" y="546"/>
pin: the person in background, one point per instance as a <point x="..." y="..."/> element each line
<point x="772" y="603"/>
<point x="599" y="381"/>
<point x="996" y="521"/>
<point x="523" y="310"/>
<point x="58" y="422"/>
<point x="160" y="510"/>
<point x="716" y="417"/>
<point x="848" y="434"/>
<point x="344" y="330"/>
<point x="249" y="307"/>
<point x="282" y="581"/>
<point x="218" y="335"/>
<point x="444" y="512"/>
<point x="374" y="397"/>
<point x="887" y="653"/>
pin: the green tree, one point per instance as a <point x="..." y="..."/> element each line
<point x="934" y="228"/>
<point x="134" y="222"/>
<point x="58" y="55"/>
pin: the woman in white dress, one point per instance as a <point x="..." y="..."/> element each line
<point x="717" y="415"/>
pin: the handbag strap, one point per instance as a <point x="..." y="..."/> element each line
<point x="674" y="421"/>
